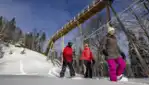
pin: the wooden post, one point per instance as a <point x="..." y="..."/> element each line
<point x="53" y="53"/>
<point x="62" y="45"/>
<point x="108" y="17"/>
<point x="80" y="30"/>
<point x="82" y="42"/>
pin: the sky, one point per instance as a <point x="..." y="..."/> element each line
<point x="48" y="15"/>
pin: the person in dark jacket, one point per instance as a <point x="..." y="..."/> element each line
<point x="113" y="56"/>
<point x="67" y="60"/>
<point x="88" y="59"/>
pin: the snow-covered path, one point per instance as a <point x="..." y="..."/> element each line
<point x="44" y="80"/>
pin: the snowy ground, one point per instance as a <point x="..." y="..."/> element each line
<point x="33" y="68"/>
<point x="29" y="63"/>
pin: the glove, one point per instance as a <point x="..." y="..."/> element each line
<point x="123" y="55"/>
<point x="93" y="62"/>
<point x="104" y="52"/>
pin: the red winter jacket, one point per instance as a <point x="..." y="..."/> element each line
<point x="87" y="54"/>
<point x="67" y="54"/>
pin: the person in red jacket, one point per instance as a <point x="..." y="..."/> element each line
<point x="67" y="60"/>
<point x="88" y="59"/>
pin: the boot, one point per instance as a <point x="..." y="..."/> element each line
<point x="73" y="75"/>
<point x="122" y="78"/>
<point x="61" y="75"/>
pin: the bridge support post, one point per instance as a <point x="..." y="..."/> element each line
<point x="108" y="13"/>
<point x="62" y="46"/>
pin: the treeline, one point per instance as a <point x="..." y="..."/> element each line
<point x="35" y="40"/>
<point x="10" y="33"/>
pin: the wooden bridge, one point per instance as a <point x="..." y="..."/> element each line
<point x="87" y="13"/>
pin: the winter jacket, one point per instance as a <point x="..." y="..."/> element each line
<point x="111" y="48"/>
<point x="67" y="54"/>
<point x="87" y="54"/>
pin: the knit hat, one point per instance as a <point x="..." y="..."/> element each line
<point x="70" y="43"/>
<point x="110" y="28"/>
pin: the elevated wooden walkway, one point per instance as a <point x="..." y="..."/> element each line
<point x="87" y="13"/>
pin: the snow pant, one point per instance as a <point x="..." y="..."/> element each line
<point x="64" y="66"/>
<point x="88" y="73"/>
<point x="115" y="71"/>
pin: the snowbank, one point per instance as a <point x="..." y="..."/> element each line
<point x="29" y="63"/>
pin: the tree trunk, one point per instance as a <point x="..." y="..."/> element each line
<point x="145" y="6"/>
